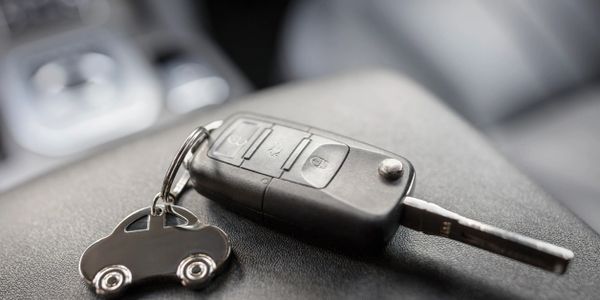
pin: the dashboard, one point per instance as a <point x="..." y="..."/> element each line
<point x="77" y="76"/>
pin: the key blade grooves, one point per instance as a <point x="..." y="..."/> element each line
<point x="435" y="220"/>
<point x="531" y="251"/>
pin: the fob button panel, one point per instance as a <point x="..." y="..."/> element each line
<point x="280" y="151"/>
<point x="231" y="146"/>
<point x="318" y="163"/>
<point x="274" y="151"/>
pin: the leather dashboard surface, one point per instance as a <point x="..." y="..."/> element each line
<point x="46" y="224"/>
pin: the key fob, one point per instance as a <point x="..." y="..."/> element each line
<point x="302" y="178"/>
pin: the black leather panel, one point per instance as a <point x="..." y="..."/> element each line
<point x="46" y="224"/>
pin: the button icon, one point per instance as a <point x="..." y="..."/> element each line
<point x="236" y="140"/>
<point x="274" y="150"/>
<point x="319" y="162"/>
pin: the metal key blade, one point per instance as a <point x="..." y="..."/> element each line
<point x="432" y="219"/>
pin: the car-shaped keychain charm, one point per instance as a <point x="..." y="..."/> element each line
<point x="191" y="252"/>
<point x="166" y="241"/>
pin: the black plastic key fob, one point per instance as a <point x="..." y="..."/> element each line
<point x="302" y="178"/>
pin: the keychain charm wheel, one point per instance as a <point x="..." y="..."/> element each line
<point x="195" y="270"/>
<point x="111" y="280"/>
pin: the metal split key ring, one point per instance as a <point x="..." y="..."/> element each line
<point x="191" y="143"/>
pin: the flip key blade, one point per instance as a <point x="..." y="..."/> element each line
<point x="432" y="219"/>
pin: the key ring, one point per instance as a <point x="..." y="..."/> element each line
<point x="194" y="139"/>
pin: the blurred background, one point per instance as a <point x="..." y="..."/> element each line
<point x="80" y="76"/>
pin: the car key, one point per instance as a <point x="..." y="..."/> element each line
<point x="327" y="185"/>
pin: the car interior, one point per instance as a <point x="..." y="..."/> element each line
<point x="493" y="105"/>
